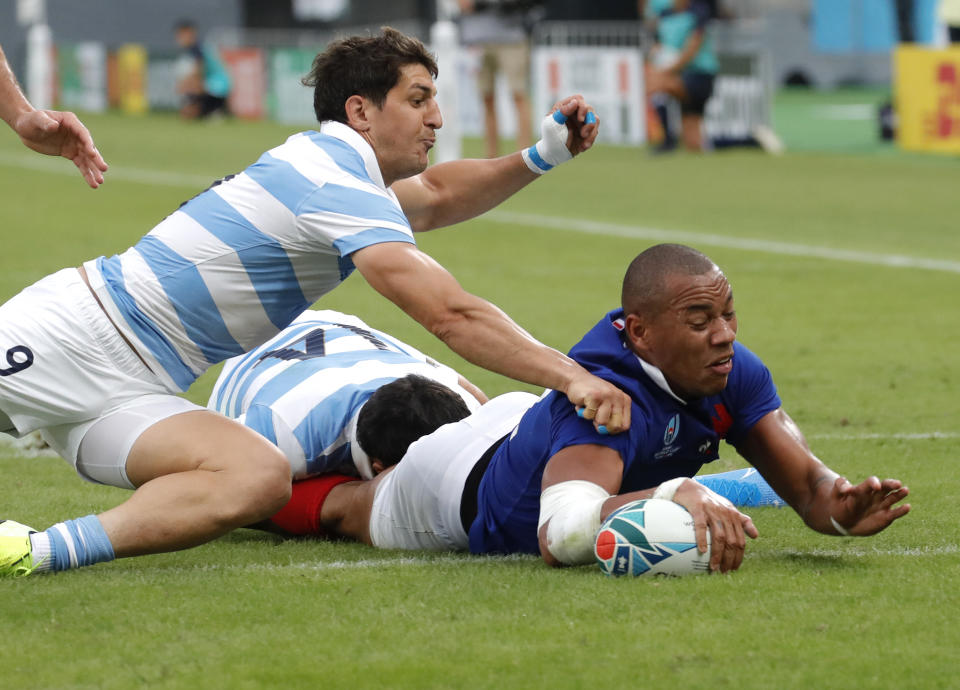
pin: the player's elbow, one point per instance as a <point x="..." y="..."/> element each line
<point x="545" y="554"/>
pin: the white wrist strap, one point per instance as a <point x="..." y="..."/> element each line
<point x="841" y="530"/>
<point x="668" y="489"/>
<point x="551" y="150"/>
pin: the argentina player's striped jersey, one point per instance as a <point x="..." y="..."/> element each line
<point x="303" y="389"/>
<point x="235" y="264"/>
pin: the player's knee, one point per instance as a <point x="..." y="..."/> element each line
<point x="272" y="484"/>
<point x="259" y="489"/>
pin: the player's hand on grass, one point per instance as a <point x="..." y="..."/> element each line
<point x="582" y="123"/>
<point x="867" y="508"/>
<point x="601" y="402"/>
<point x="62" y="134"/>
<point x="728" y="526"/>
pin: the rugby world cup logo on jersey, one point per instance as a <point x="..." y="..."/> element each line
<point x="670" y="435"/>
<point x="672" y="431"/>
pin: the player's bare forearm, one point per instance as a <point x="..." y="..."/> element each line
<point x="13" y="104"/>
<point x="827" y="502"/>
<point x="483" y="334"/>
<point x="450" y="193"/>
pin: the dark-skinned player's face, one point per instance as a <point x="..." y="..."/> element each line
<point x="691" y="340"/>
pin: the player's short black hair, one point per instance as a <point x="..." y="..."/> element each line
<point x="184" y="24"/>
<point x="402" y="411"/>
<point x="645" y="283"/>
<point x="367" y="66"/>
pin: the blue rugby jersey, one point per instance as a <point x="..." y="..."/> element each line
<point x="303" y="389"/>
<point x="667" y="437"/>
<point x="235" y="264"/>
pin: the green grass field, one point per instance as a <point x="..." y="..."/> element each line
<point x="864" y="354"/>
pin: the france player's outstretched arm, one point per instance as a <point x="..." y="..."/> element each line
<point x="48" y="131"/>
<point x="481" y="333"/>
<point x="826" y="501"/>
<point x="603" y="467"/>
<point x="453" y="192"/>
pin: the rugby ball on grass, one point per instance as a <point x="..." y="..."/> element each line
<point x="650" y="537"/>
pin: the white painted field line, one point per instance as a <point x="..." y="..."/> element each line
<point x="918" y="436"/>
<point x="591" y="227"/>
<point x="945" y="550"/>
<point x="57" y="166"/>
<point x="466" y="559"/>
<point x="199" y="182"/>
<point x="369" y="563"/>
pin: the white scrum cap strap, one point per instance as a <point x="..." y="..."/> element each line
<point x="573" y="511"/>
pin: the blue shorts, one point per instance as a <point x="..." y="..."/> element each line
<point x="699" y="88"/>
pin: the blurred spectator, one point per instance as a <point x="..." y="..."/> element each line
<point x="501" y="28"/>
<point x="49" y="131"/>
<point x="949" y="13"/>
<point x="683" y="66"/>
<point x="202" y="78"/>
<point x="905" y="20"/>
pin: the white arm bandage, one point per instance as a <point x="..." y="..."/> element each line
<point x="551" y="150"/>
<point x="668" y="489"/>
<point x="573" y="511"/>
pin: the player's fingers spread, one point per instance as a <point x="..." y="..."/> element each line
<point x="718" y="544"/>
<point x="892" y="498"/>
<point x="733" y="551"/>
<point x="843" y="486"/>
<point x="700" y="530"/>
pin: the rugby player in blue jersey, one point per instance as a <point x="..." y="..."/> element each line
<point x="95" y="356"/>
<point x="529" y="475"/>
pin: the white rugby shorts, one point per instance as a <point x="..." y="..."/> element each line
<point x="66" y="370"/>
<point x="417" y="505"/>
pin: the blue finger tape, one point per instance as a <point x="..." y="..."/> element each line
<point x="602" y="430"/>
<point x="559" y="117"/>
<point x="591" y="118"/>
<point x="580" y="412"/>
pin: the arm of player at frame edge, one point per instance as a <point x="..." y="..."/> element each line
<point x="827" y="502"/>
<point x="452" y="192"/>
<point x="603" y="466"/>
<point x="48" y="131"/>
<point x="483" y="334"/>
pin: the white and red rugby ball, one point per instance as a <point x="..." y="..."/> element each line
<point x="650" y="537"/>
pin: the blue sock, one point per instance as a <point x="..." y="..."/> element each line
<point x="80" y="542"/>
<point x="745" y="488"/>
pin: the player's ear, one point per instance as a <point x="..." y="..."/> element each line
<point x="355" y="108"/>
<point x="636" y="332"/>
<point x="377" y="466"/>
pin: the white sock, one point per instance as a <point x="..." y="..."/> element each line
<point x="40" y="551"/>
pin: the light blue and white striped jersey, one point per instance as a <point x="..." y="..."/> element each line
<point x="303" y="389"/>
<point x="235" y="264"/>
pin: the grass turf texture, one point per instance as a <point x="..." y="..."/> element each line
<point x="860" y="353"/>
